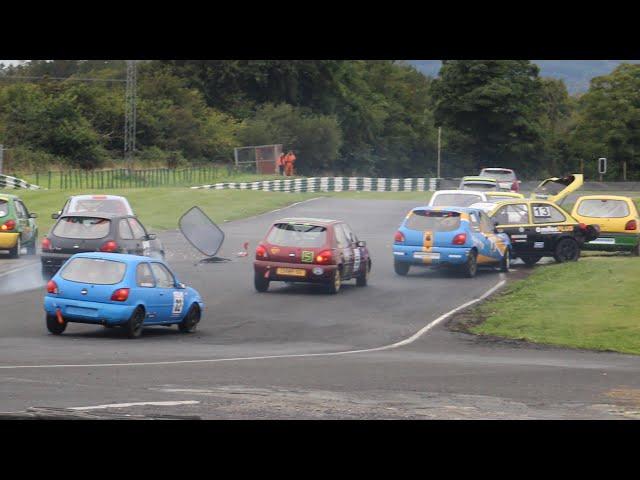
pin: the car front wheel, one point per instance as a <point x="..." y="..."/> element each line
<point x="530" y="261"/>
<point x="363" y="279"/>
<point x="190" y="322"/>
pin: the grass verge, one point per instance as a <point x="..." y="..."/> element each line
<point x="160" y="208"/>
<point x="589" y="304"/>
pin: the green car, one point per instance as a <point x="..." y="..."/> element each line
<point x="18" y="228"/>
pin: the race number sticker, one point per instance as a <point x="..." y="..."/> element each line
<point x="178" y="303"/>
<point x="541" y="212"/>
<point x="356" y="261"/>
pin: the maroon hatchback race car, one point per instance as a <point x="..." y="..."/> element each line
<point x="311" y="250"/>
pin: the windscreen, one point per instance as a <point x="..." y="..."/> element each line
<point x="423" y="220"/>
<point x="94" y="270"/>
<point x="4" y="208"/>
<point x="603" y="208"/>
<point x="498" y="174"/>
<point x="201" y="232"/>
<point x="456" y="200"/>
<point x="298" y="235"/>
<point x="86" y="228"/>
<point x="482" y="186"/>
<point x="105" y="205"/>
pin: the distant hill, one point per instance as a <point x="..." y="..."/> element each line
<point x="575" y="73"/>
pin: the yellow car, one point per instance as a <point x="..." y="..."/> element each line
<point x="618" y="219"/>
<point x="556" y="189"/>
<point x="539" y="228"/>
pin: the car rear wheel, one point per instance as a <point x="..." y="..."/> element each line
<point x="471" y="266"/>
<point x="261" y="283"/>
<point x="336" y="282"/>
<point x="506" y="261"/>
<point x="363" y="279"/>
<point x="15" y="251"/>
<point x="530" y="261"/>
<point x="567" y="250"/>
<point x="401" y="268"/>
<point x="54" y="326"/>
<point x="190" y="322"/>
<point x="133" y="326"/>
<point x="636" y="250"/>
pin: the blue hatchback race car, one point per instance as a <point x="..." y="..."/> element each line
<point x="464" y="238"/>
<point x="113" y="289"/>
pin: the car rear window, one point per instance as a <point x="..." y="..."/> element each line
<point x="498" y="198"/>
<point x="297" y="234"/>
<point x="456" y="200"/>
<point x="600" y="208"/>
<point x="86" y="228"/>
<point x="94" y="270"/>
<point x="109" y="205"/>
<point x="423" y="220"/>
<point x="482" y="186"/>
<point x="4" y="208"/>
<point x="502" y="175"/>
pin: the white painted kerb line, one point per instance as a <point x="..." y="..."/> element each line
<point x="135" y="404"/>
<point x="401" y="343"/>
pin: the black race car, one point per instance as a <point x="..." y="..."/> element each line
<point x="538" y="228"/>
<point x="103" y="232"/>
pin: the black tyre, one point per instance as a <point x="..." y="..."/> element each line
<point x="133" y="327"/>
<point x="31" y="249"/>
<point x="363" y="279"/>
<point x="636" y="251"/>
<point x="190" y="322"/>
<point x="471" y="267"/>
<point x="401" y="268"/>
<point x="261" y="283"/>
<point x="54" y="326"/>
<point x="47" y="273"/>
<point x="567" y="250"/>
<point x="506" y="261"/>
<point x="530" y="261"/>
<point x="15" y="251"/>
<point x="336" y="282"/>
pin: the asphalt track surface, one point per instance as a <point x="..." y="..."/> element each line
<point x="281" y="354"/>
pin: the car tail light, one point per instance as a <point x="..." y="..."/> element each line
<point x="109" y="246"/>
<point x="631" y="225"/>
<point x="8" y="225"/>
<point x="46" y="244"/>
<point x="460" y="239"/>
<point x="324" y="258"/>
<point x="52" y="287"/>
<point x="261" y="252"/>
<point x="120" y="295"/>
<point x="398" y="237"/>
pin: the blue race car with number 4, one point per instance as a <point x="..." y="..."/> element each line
<point x="113" y="289"/>
<point x="463" y="238"/>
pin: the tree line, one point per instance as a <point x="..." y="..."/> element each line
<point x="364" y="117"/>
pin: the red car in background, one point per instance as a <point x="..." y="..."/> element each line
<point x="311" y="250"/>
<point x="507" y="179"/>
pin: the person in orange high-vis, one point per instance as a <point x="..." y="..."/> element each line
<point x="289" y="160"/>
<point x="280" y="163"/>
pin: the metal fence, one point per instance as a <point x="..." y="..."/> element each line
<point x="123" y="178"/>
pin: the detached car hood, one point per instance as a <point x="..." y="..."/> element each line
<point x="555" y="189"/>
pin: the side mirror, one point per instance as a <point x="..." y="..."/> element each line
<point x="181" y="286"/>
<point x="151" y="236"/>
<point x="55" y="216"/>
<point x="33" y="215"/>
<point x="361" y="243"/>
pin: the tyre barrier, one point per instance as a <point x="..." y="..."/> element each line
<point x="333" y="184"/>
<point x="12" y="182"/>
